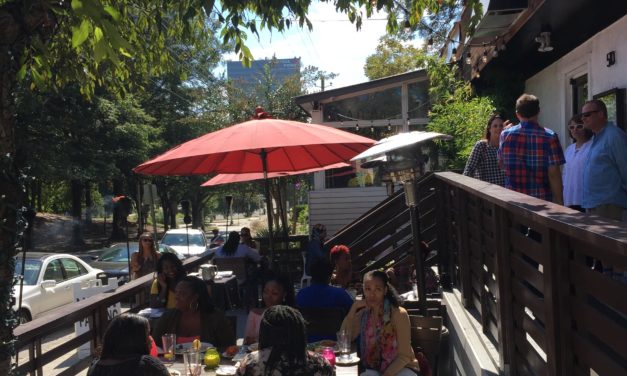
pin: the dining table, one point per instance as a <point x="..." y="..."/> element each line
<point x="178" y="365"/>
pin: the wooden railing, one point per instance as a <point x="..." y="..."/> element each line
<point x="521" y="265"/>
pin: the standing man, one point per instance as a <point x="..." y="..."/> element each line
<point x="605" y="172"/>
<point x="531" y="155"/>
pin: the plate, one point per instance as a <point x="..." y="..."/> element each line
<point x="318" y="346"/>
<point x="253" y="347"/>
<point x="173" y="372"/>
<point x="182" y="347"/>
<point x="353" y="359"/>
<point x="226" y="371"/>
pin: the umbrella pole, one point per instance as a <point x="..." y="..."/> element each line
<point x="264" y="165"/>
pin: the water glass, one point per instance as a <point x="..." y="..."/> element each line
<point x="191" y="359"/>
<point x="344" y="343"/>
<point x="168" y="341"/>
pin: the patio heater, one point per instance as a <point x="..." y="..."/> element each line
<point x="401" y="159"/>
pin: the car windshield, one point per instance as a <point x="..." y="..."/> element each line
<point x="181" y="239"/>
<point x="118" y="254"/>
<point x="31" y="267"/>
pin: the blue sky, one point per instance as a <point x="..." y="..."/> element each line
<point x="334" y="45"/>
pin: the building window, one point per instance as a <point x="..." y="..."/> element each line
<point x="349" y="177"/>
<point x="384" y="104"/>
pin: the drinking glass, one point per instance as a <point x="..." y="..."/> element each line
<point x="191" y="359"/>
<point x="344" y="343"/>
<point x="168" y="341"/>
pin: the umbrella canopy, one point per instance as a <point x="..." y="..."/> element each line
<point x="262" y="146"/>
<point x="289" y="146"/>
<point x="238" y="178"/>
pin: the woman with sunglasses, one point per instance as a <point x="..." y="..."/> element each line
<point x="144" y="261"/>
<point x="482" y="162"/>
<point x="576" y="155"/>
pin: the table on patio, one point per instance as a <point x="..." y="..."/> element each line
<point x="224" y="292"/>
<point x="179" y="366"/>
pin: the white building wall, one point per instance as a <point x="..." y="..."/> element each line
<point x="552" y="85"/>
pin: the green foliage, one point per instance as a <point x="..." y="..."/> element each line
<point x="455" y="111"/>
<point x="392" y="57"/>
<point x="303" y="219"/>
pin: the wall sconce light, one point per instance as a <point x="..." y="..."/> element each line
<point x="611" y="58"/>
<point x="544" y="39"/>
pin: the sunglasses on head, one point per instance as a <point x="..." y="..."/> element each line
<point x="575" y="126"/>
<point x="147" y="240"/>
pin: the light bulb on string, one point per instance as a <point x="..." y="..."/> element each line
<point x="356" y="127"/>
<point x="468" y="58"/>
<point x="484" y="57"/>
<point x="389" y="126"/>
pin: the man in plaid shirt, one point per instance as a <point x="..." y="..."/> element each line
<point x="531" y="155"/>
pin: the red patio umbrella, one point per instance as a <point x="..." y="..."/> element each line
<point x="238" y="178"/>
<point x="261" y="146"/>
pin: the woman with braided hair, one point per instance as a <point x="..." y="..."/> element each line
<point x="283" y="348"/>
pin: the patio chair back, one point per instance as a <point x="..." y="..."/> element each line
<point x="426" y="335"/>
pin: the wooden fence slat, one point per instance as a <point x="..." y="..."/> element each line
<point x="526" y="246"/>
<point x="603" y="328"/>
<point x="595" y="358"/>
<point x="525" y="298"/>
<point x="526" y="272"/>
<point x="602" y="287"/>
<point x="530" y="355"/>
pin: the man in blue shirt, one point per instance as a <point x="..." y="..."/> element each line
<point x="320" y="294"/>
<point x="605" y="172"/>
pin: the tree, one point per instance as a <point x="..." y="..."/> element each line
<point x="117" y="44"/>
<point x="392" y="57"/>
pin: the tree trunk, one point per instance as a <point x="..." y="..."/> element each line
<point x="77" y="220"/>
<point x="172" y="210"/>
<point x="89" y="204"/>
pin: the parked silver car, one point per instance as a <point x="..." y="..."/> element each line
<point x="47" y="281"/>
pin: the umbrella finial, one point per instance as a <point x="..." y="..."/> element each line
<point x="261" y="114"/>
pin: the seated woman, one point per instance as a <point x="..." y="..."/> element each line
<point x="383" y="329"/>
<point x="169" y="271"/>
<point x="282" y="347"/>
<point x="343" y="272"/>
<point x="195" y="317"/>
<point x="246" y="238"/>
<point x="277" y="289"/>
<point x="125" y="348"/>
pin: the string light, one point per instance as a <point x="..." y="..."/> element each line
<point x="454" y="55"/>
<point x="468" y="58"/>
<point x="356" y="127"/>
<point x="389" y="125"/>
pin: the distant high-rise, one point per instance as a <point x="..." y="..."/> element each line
<point x="280" y="69"/>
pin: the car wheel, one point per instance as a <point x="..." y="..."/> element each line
<point x="24" y="316"/>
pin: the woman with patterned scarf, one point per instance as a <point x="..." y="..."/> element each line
<point x="383" y="329"/>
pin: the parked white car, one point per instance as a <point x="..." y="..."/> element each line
<point x="48" y="279"/>
<point x="187" y="242"/>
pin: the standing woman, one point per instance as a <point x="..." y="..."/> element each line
<point x="315" y="247"/>
<point x="144" y="261"/>
<point x="576" y="155"/>
<point x="383" y="329"/>
<point x="482" y="162"/>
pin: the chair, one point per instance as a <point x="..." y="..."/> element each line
<point x="305" y="277"/>
<point x="426" y="334"/>
<point x="323" y="321"/>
